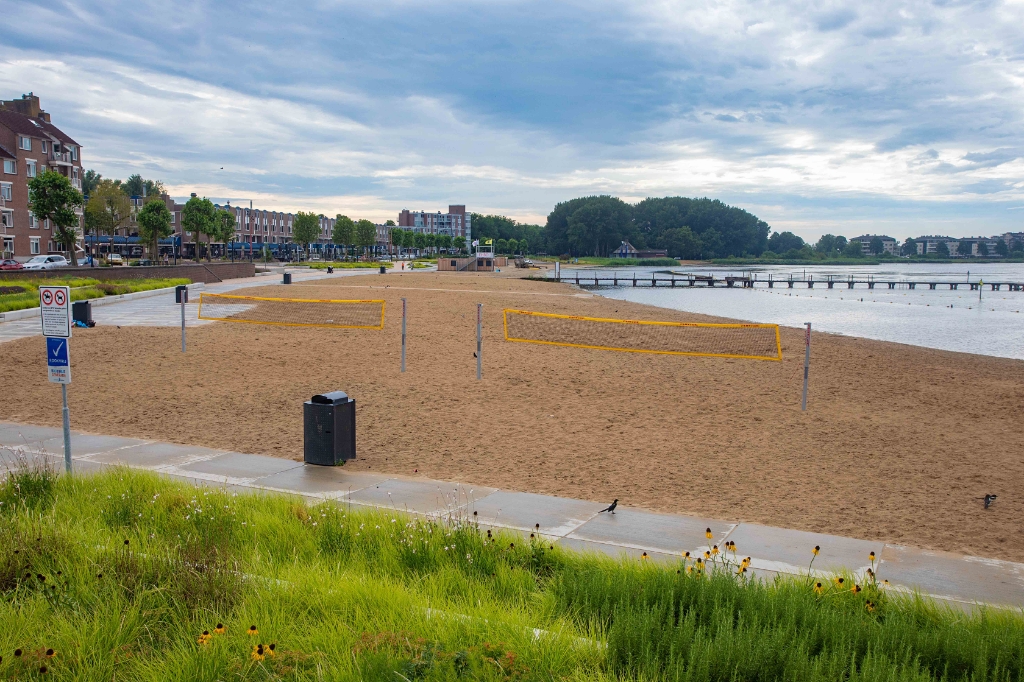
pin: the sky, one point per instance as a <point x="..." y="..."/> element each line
<point x="902" y="118"/>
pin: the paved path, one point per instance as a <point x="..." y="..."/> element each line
<point x="160" y="310"/>
<point x="960" y="580"/>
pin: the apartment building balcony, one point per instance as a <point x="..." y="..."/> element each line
<point x="61" y="159"/>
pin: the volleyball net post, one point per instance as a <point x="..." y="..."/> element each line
<point x="807" y="364"/>
<point x="293" y="312"/>
<point x="751" y="341"/>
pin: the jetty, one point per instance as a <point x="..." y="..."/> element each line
<point x="750" y="281"/>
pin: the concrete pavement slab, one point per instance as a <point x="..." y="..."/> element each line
<point x="239" y="466"/>
<point x="617" y="551"/>
<point x="556" y="515"/>
<point x="422" y="496"/>
<point x="328" y="482"/>
<point x="23" y="434"/>
<point x="667" y="533"/>
<point x="153" y="455"/>
<point x="972" y="579"/>
<point x="85" y="444"/>
<point x="207" y="483"/>
<point x="790" y="551"/>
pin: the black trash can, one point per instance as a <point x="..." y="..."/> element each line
<point x="181" y="293"/>
<point x="383" y="269"/>
<point x="287" y="278"/>
<point x="329" y="434"/>
<point x="81" y="311"/>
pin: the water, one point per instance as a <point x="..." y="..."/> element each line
<point x="943" y="319"/>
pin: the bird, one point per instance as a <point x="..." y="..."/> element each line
<point x="610" y="508"/>
<point x="989" y="499"/>
<point x="474" y="355"/>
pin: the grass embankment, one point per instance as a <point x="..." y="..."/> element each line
<point x="128" y="576"/>
<point x="322" y="265"/>
<point x="20" y="294"/>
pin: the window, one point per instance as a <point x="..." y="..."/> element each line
<point x="5" y="191"/>
<point x="42" y="146"/>
<point x="74" y="153"/>
<point x="49" y="246"/>
<point x="9" y="245"/>
<point x="30" y="169"/>
<point x="6" y="218"/>
<point x="10" y="166"/>
<point x="33" y="246"/>
<point x="25" y="143"/>
<point x="33" y="222"/>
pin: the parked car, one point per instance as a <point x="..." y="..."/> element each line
<point x="10" y="264"/>
<point x="46" y="263"/>
<point x="88" y="261"/>
<point x="142" y="261"/>
<point x="115" y="259"/>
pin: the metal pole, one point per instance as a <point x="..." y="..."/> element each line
<point x="479" y="337"/>
<point x="807" y="363"/>
<point x="183" y="320"/>
<point x="403" y="334"/>
<point x="67" y="429"/>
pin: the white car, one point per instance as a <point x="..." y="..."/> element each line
<point x="46" y="262"/>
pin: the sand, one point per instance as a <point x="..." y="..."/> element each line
<point x="898" y="444"/>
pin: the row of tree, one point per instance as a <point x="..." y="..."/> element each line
<point x="789" y="245"/>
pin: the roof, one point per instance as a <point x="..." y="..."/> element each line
<point x="34" y="127"/>
<point x="5" y="153"/>
<point x="869" y="237"/>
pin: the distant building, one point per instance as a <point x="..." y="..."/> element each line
<point x="889" y="244"/>
<point x="30" y="144"/>
<point x="455" y="223"/>
<point x="625" y="250"/>
<point x="929" y="244"/>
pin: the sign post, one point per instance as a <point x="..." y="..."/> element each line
<point x="807" y="363"/>
<point x="55" y="315"/>
<point x="479" y="339"/>
<point x="403" y="334"/>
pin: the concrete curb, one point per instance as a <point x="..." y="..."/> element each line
<point x="106" y="300"/>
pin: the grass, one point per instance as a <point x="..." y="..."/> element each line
<point x="120" y="574"/>
<point x="322" y="265"/>
<point x="620" y="262"/>
<point x="82" y="288"/>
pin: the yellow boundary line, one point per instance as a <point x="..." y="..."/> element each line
<point x="383" y="304"/>
<point x="778" y="340"/>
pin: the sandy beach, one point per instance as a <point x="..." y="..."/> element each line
<point x="898" y="444"/>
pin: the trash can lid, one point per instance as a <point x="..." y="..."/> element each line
<point x="332" y="398"/>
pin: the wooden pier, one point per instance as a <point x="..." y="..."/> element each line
<point x="674" y="280"/>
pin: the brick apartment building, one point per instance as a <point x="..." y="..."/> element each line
<point x="455" y="223"/>
<point x="29" y="144"/>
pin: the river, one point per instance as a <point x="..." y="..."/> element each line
<point x="940" y="318"/>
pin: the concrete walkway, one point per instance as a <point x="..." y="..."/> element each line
<point x="576" y="524"/>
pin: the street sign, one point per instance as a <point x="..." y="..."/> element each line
<point x="58" y="362"/>
<point x="55" y="311"/>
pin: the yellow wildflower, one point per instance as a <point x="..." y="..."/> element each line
<point x="816" y="550"/>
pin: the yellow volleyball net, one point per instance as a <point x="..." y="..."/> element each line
<point x="292" y="312"/>
<point x="747" y="341"/>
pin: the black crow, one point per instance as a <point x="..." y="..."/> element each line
<point x="989" y="499"/>
<point x="611" y="507"/>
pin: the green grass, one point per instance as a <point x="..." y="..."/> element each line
<point x="621" y="262"/>
<point x="322" y="265"/>
<point x="121" y="573"/>
<point x="82" y="288"/>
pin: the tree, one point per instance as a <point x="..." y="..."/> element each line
<point x="366" y="234"/>
<point x="306" y="229"/>
<point x="826" y="244"/>
<point x="53" y="198"/>
<point x="853" y="250"/>
<point x="982" y="248"/>
<point x="524" y="246"/>
<point x="712" y="244"/>
<point x="876" y="246"/>
<point x="89" y="182"/>
<point x="910" y="247"/>
<point x="135" y="186"/>
<point x="942" y="249"/>
<point x="501" y="246"/>
<point x="197" y="217"/>
<point x="389" y="223"/>
<point x="963" y="247"/>
<point x="681" y="242"/>
<point x="431" y="240"/>
<point x="781" y="242"/>
<point x="344" y="231"/>
<point x="154" y="221"/>
<point x="226" y="227"/>
<point x="459" y="243"/>
<point x="599" y="226"/>
<point x="1002" y="249"/>
<point x="420" y="241"/>
<point x="108" y="209"/>
<point x="513" y="246"/>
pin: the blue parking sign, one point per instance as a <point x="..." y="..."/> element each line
<point x="58" y="362"/>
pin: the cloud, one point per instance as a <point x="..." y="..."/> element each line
<point x="514" y="106"/>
